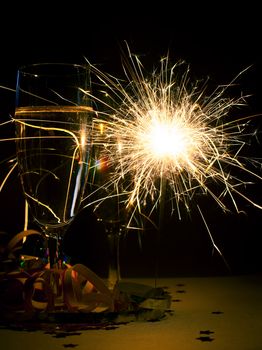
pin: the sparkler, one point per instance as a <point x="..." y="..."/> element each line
<point x="173" y="139"/>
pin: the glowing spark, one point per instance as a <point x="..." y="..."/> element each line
<point x="70" y="133"/>
<point x="170" y="132"/>
<point x="173" y="141"/>
<point x="7" y="176"/>
<point x="44" y="205"/>
<point x="82" y="139"/>
<point x="26" y="218"/>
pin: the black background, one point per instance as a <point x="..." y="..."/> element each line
<point x="217" y="41"/>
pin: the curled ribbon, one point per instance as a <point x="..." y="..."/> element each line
<point x="74" y="288"/>
<point x="85" y="291"/>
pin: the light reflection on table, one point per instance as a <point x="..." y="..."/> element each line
<point x="223" y="311"/>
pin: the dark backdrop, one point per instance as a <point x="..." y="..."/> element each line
<point x="217" y="42"/>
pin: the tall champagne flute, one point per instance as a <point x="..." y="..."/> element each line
<point x="53" y="118"/>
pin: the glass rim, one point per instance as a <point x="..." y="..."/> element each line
<point x="33" y="69"/>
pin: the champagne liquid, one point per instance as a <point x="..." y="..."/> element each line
<point x="53" y="147"/>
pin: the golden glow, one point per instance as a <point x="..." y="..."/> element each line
<point x="101" y="128"/>
<point x="83" y="139"/>
<point x="170" y="130"/>
<point x="169" y="139"/>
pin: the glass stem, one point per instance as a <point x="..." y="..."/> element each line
<point x="56" y="262"/>
<point x="113" y="236"/>
<point x="55" y="251"/>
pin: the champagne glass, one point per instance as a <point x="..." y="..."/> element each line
<point x="107" y="196"/>
<point x="53" y="119"/>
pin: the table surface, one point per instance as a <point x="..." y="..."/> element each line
<point x="221" y="312"/>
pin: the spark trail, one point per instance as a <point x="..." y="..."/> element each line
<point x="173" y="140"/>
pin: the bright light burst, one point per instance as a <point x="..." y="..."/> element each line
<point x="173" y="139"/>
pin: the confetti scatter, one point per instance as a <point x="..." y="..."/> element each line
<point x="207" y="332"/>
<point x="70" y="345"/>
<point x="205" y="338"/>
<point x="217" y="312"/>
